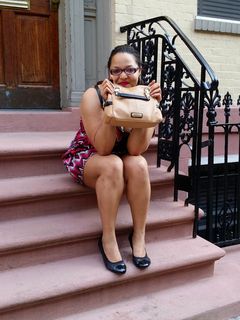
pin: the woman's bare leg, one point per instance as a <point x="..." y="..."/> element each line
<point x="105" y="175"/>
<point x="138" y="192"/>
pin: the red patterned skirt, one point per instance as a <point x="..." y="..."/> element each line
<point x="81" y="150"/>
<point x="77" y="154"/>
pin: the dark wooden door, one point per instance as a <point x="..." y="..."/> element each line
<point x="29" y="62"/>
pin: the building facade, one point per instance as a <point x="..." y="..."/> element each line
<point x="85" y="31"/>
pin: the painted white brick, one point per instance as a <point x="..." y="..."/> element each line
<point x="120" y="8"/>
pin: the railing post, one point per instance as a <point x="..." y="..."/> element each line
<point x="212" y="99"/>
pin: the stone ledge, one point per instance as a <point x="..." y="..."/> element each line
<point x="217" y="25"/>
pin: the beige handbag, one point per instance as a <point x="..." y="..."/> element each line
<point x="132" y="107"/>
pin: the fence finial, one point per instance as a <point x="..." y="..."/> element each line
<point x="227" y="102"/>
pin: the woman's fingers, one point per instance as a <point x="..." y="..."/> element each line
<point x="106" y="88"/>
<point x="155" y="90"/>
<point x="152" y="83"/>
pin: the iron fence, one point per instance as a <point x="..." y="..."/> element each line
<point x="221" y="199"/>
<point x="185" y="96"/>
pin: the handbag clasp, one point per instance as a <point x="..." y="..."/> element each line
<point x="136" y="115"/>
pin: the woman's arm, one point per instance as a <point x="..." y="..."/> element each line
<point x="101" y="135"/>
<point x="139" y="139"/>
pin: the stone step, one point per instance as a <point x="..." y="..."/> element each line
<point x="66" y="119"/>
<point x="29" y="196"/>
<point x="32" y="153"/>
<point x="30" y="241"/>
<point x="39" y="153"/>
<point x="209" y="298"/>
<point x="53" y="290"/>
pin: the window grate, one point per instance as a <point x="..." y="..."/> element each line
<point x="223" y="9"/>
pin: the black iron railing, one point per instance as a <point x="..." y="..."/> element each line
<point x="215" y="185"/>
<point x="219" y="181"/>
<point x="185" y="95"/>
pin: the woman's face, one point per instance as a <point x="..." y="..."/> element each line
<point x="124" y="61"/>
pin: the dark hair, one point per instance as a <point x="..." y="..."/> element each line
<point x="125" y="48"/>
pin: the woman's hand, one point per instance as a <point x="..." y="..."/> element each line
<point x="155" y="90"/>
<point x="106" y="88"/>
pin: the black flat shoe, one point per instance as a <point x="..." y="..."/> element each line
<point x="139" y="262"/>
<point x="118" y="267"/>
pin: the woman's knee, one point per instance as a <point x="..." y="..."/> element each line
<point x="136" y="165"/>
<point x="113" y="168"/>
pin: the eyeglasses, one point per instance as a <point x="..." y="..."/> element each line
<point x="128" y="71"/>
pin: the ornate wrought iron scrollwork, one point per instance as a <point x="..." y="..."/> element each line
<point x="169" y="75"/>
<point x="227" y="102"/>
<point x="166" y="150"/>
<point x="225" y="223"/>
<point x="184" y="93"/>
<point x="167" y="102"/>
<point x="143" y="30"/>
<point x="211" y="101"/>
<point x="168" y="91"/>
<point x="168" y="94"/>
<point x="184" y="96"/>
<point x="186" y="119"/>
<point x="149" y="56"/>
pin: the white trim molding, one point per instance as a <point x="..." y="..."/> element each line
<point x="217" y="25"/>
<point x="72" y="47"/>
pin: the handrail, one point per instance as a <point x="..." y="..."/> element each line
<point x="182" y="103"/>
<point x="186" y="92"/>
<point x="206" y="85"/>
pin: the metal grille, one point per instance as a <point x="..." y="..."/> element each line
<point x="184" y="97"/>
<point x="226" y="9"/>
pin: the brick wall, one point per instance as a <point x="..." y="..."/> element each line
<point x="222" y="51"/>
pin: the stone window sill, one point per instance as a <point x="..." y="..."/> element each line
<point x="217" y="25"/>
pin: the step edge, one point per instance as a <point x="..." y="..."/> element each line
<point x="39" y="299"/>
<point x="73" y="189"/>
<point x="59" y="240"/>
<point x="36" y="149"/>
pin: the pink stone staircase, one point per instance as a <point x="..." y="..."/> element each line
<point x="50" y="267"/>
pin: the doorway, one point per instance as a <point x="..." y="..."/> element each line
<point x="29" y="55"/>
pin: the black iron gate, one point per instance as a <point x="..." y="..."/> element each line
<point x="186" y="94"/>
<point x="219" y="180"/>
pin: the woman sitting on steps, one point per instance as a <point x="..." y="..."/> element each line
<point x="109" y="159"/>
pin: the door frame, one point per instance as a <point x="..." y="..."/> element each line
<point x="71" y="47"/>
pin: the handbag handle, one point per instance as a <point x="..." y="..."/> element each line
<point x="118" y="93"/>
<point x="108" y="102"/>
<point x="131" y="96"/>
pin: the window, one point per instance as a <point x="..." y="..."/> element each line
<point x="218" y="15"/>
<point x="225" y="9"/>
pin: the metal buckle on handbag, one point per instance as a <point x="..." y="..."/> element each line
<point x="147" y="93"/>
<point x="136" y="115"/>
<point x="116" y="90"/>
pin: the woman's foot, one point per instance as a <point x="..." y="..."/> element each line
<point x="140" y="258"/>
<point x="118" y="267"/>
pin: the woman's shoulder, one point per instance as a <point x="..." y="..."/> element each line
<point x="92" y="90"/>
<point x="90" y="100"/>
<point x="89" y="92"/>
<point x="89" y="97"/>
<point x="93" y="94"/>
